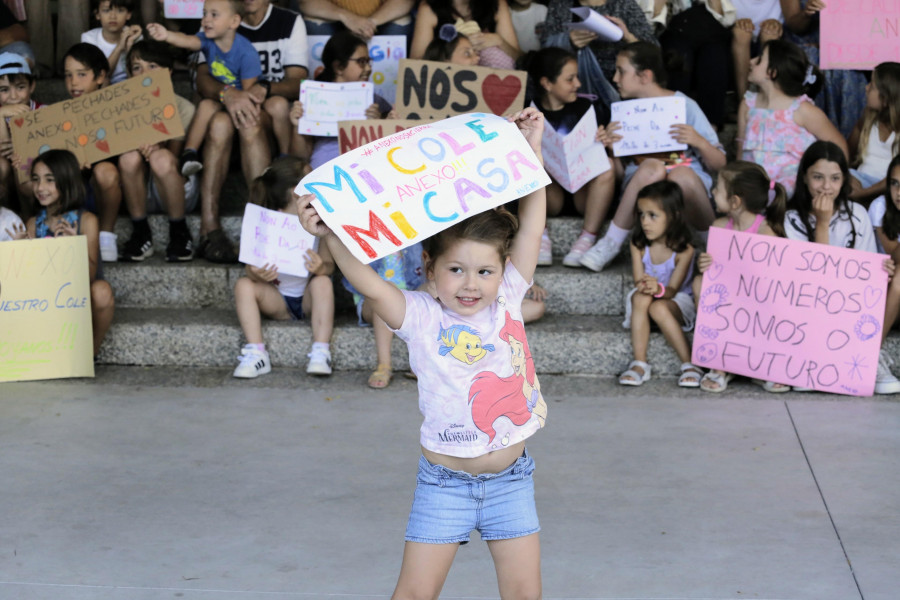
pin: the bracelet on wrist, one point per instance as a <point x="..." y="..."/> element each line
<point x="662" y="291"/>
<point x="222" y="93"/>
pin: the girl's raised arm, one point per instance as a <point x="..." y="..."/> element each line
<point x="387" y="301"/>
<point x="811" y="118"/>
<point x="533" y="207"/>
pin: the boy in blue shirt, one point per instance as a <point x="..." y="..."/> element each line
<point x="232" y="60"/>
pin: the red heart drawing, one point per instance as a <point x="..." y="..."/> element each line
<point x="161" y="127"/>
<point x="18" y="122"/>
<point x="498" y="93"/>
<point x="155" y="92"/>
<point x="102" y="145"/>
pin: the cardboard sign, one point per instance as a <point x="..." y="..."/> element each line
<point x="858" y="34"/>
<point x="386" y="51"/>
<point x="353" y="134"/>
<point x="45" y="309"/>
<point x="399" y="190"/>
<point x="270" y="237"/>
<point x="435" y="90"/>
<point x="184" y="9"/>
<point x="646" y="123"/>
<point x="102" y="124"/>
<point x="792" y="312"/>
<point x="324" y="104"/>
<point x="575" y="158"/>
<point x="591" y="20"/>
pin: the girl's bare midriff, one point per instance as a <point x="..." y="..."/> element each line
<point x="492" y="462"/>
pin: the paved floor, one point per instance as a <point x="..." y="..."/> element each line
<point x="150" y="484"/>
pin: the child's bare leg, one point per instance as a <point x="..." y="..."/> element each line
<point x="318" y="303"/>
<point x="424" y="570"/>
<point x="640" y="327"/>
<point x="109" y="194"/>
<point x="169" y="182"/>
<point x="103" y="306"/>
<point x="556" y="197"/>
<point x="667" y="315"/>
<point x="206" y="110"/>
<point x="134" y="183"/>
<point x="697" y="209"/>
<point x="252" y="299"/>
<point x="594" y="200"/>
<point x="278" y="108"/>
<point x="518" y="565"/>
<point x="650" y="171"/>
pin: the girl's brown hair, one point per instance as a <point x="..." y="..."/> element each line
<point x="273" y="188"/>
<point x="886" y="79"/>
<point x="495" y="227"/>
<point x="67" y="174"/>
<point x="759" y="194"/>
<point x="670" y="198"/>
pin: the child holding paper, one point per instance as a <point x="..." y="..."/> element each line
<point x="16" y="87"/>
<point x="263" y="290"/>
<point x="232" y="60"/>
<point x="59" y="190"/>
<point x="151" y="181"/>
<point x="821" y="211"/>
<point x="640" y="74"/>
<point x="114" y="36"/>
<point x="491" y="401"/>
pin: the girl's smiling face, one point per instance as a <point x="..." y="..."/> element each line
<point x="80" y="79"/>
<point x="465" y="53"/>
<point x="43" y="185"/>
<point x="653" y="218"/>
<point x="359" y="67"/>
<point x="467" y="276"/>
<point x="894" y="186"/>
<point x="565" y="88"/>
<point x="824" y="177"/>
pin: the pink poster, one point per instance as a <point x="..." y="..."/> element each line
<point x="792" y="312"/>
<point x="858" y="34"/>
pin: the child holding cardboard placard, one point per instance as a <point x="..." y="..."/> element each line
<point x="278" y="295"/>
<point x="752" y="203"/>
<point x="59" y="190"/>
<point x="232" y="60"/>
<point x="640" y="74"/>
<point x="478" y="389"/>
<point x="16" y="87"/>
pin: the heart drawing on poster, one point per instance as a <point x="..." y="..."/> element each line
<point x="498" y="93"/>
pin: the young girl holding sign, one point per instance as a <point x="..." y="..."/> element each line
<point x="885" y="214"/>
<point x="821" y="211"/>
<point x="554" y="73"/>
<point x="777" y="123"/>
<point x="462" y="396"/>
<point x="280" y="296"/>
<point x="876" y="137"/>
<point x="662" y="262"/>
<point x="640" y="74"/>
<point x="59" y="190"/>
<point x="752" y="203"/>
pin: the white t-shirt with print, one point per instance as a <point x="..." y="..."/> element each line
<point x="478" y="390"/>
<point x="95" y="37"/>
<point x="840" y="231"/>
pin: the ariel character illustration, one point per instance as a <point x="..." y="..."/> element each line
<point x="516" y="397"/>
<point x="462" y="343"/>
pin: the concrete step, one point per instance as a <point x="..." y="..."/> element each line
<point x="212" y="338"/>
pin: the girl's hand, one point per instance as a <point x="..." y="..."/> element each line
<point x="267" y="273"/>
<point x="11" y="110"/>
<point x="685" y="134"/>
<point x="393" y="114"/>
<point x="581" y="38"/>
<point x="536" y="293"/>
<point x="704" y="262"/>
<point x="823" y="208"/>
<point x="889" y="267"/>
<point x="309" y="216"/>
<point x="6" y="149"/>
<point x="313" y="261"/>
<point x="129" y="36"/>
<point x="626" y="34"/>
<point x="745" y="25"/>
<point x="480" y="41"/>
<point x="372" y="112"/>
<point x="296" y="112"/>
<point x="531" y="125"/>
<point x="770" y="29"/>
<point x="147" y="149"/>
<point x="64" y="228"/>
<point x="607" y="135"/>
<point x="158" y="32"/>
<point x="18" y="232"/>
<point x="813" y="6"/>
<point x="648" y="285"/>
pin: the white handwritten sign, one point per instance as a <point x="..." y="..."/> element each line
<point x="575" y="158"/>
<point x="324" y="104"/>
<point x="184" y="9"/>
<point x="593" y="21"/>
<point x="792" y="312"/>
<point x="401" y="189"/>
<point x="270" y="237"/>
<point x="646" y="123"/>
<point x="385" y="52"/>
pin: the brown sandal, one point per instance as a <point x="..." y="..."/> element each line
<point x="381" y="377"/>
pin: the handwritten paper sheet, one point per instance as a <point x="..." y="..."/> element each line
<point x="593" y="21"/>
<point x="45" y="309"/>
<point x="401" y="189"/>
<point x="270" y="237"/>
<point x="575" y="158"/>
<point x="324" y="104"/>
<point x="646" y="123"/>
<point x="792" y="312"/>
<point x="183" y="9"/>
<point x="386" y="51"/>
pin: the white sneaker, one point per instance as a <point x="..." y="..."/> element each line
<point x="581" y="245"/>
<point x="319" y="362"/>
<point x="109" y="251"/>
<point x="253" y="363"/>
<point x="545" y="256"/>
<point x="600" y="254"/>
<point x="885" y="382"/>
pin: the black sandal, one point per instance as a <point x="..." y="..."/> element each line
<point x="216" y="247"/>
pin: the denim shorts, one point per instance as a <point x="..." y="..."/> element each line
<point x="449" y="504"/>
<point x="295" y="307"/>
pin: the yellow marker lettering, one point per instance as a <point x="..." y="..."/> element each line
<point x="403" y="224"/>
<point x="390" y="157"/>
